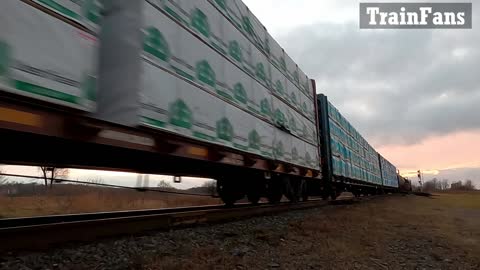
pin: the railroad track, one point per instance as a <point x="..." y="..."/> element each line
<point x="39" y="233"/>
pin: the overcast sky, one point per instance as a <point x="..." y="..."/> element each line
<point x="414" y="94"/>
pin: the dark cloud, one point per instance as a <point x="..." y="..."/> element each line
<point x="395" y="86"/>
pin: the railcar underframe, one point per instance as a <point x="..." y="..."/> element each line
<point x="36" y="133"/>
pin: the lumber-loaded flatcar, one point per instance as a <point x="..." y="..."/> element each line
<point x="199" y="88"/>
<point x="349" y="162"/>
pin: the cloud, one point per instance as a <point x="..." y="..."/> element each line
<point x="461" y="174"/>
<point x="281" y="16"/>
<point x="395" y="86"/>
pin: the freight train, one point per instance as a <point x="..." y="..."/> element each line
<point x="179" y="87"/>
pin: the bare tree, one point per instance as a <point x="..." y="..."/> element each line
<point x="95" y="180"/>
<point x="52" y="173"/>
<point x="430" y="185"/>
<point x="469" y="185"/>
<point x="164" y="185"/>
<point x="436" y="184"/>
<point x="456" y="185"/>
<point x="460" y="186"/>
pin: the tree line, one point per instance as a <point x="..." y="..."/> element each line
<point x="444" y="184"/>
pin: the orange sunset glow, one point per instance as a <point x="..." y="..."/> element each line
<point x="435" y="154"/>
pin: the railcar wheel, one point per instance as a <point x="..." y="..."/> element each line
<point x="291" y="188"/>
<point x="255" y="189"/>
<point x="334" y="195"/>
<point x="253" y="197"/>
<point x="227" y="192"/>
<point x="274" y="191"/>
<point x="325" y="194"/>
<point x="304" y="190"/>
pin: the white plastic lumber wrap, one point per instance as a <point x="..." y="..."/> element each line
<point x="45" y="58"/>
<point x="205" y="69"/>
<point x="389" y="173"/>
<point x="353" y="157"/>
<point x="84" y="12"/>
<point x="225" y="78"/>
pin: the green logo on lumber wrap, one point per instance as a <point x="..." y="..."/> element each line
<point x="279" y="117"/>
<point x="265" y="107"/>
<point x="240" y="93"/>
<point x="279" y="87"/>
<point x="267" y="46"/>
<point x="180" y="115"/>
<point x="156" y="44"/>
<point x="221" y="4"/>
<point x="4" y="58"/>
<point x="305" y="131"/>
<point x="304" y="107"/>
<point x="292" y="124"/>
<point x="278" y="150"/>
<point x="61" y="9"/>
<point x="260" y="72"/>
<point x="294" y="153"/>
<point x="254" y="140"/>
<point x="247" y="25"/>
<point x="89" y="87"/>
<point x="308" y="158"/>
<point x="92" y="10"/>
<point x="283" y="64"/>
<point x="293" y="97"/>
<point x="295" y="77"/>
<point x="306" y="86"/>
<point x="205" y="73"/>
<point x="235" y="50"/>
<point x="225" y="130"/>
<point x="200" y="22"/>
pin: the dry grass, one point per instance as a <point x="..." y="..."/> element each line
<point x="390" y="233"/>
<point x="468" y="200"/>
<point x="93" y="200"/>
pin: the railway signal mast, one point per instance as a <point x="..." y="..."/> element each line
<point x="419" y="174"/>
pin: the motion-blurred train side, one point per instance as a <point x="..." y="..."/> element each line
<point x="195" y="88"/>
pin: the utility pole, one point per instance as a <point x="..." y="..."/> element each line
<point x="146" y="180"/>
<point x="139" y="180"/>
<point x="143" y="180"/>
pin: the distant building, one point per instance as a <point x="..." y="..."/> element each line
<point x="8" y="190"/>
<point x="457" y="185"/>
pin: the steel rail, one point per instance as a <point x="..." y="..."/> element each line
<point x="37" y="233"/>
<point x="52" y="219"/>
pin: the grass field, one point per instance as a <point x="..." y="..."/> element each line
<point x="467" y="200"/>
<point x="399" y="232"/>
<point x="78" y="199"/>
